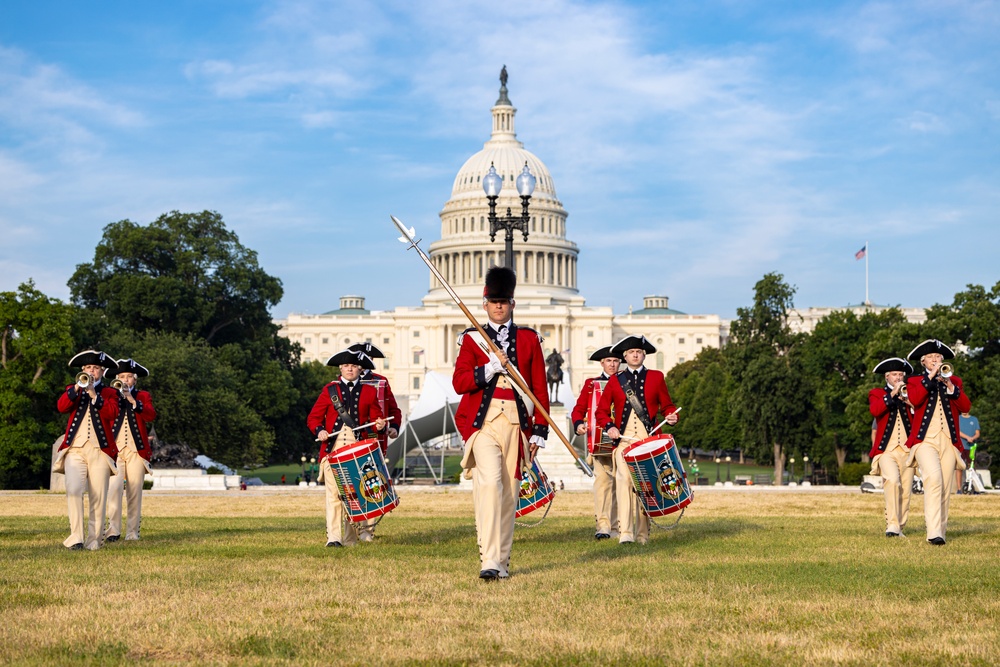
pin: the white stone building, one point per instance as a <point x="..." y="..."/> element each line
<point x="421" y="338"/>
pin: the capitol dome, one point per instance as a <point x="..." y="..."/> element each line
<point x="545" y="263"/>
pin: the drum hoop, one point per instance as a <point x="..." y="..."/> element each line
<point x="337" y="455"/>
<point x="645" y="441"/>
<point x="548" y="506"/>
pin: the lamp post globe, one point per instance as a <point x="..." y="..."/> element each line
<point x="492" y="185"/>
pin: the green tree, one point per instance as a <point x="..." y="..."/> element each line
<point x="35" y="343"/>
<point x="773" y="397"/>
<point x="185" y="273"/>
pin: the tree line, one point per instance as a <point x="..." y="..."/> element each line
<point x="183" y="297"/>
<point x="187" y="300"/>
<point x="774" y="394"/>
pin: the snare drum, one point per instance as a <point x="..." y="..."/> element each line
<point x="534" y="490"/>
<point x="598" y="443"/>
<point x="658" y="475"/>
<point x="363" y="480"/>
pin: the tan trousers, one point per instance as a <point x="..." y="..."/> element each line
<point x="131" y="469"/>
<point x="605" y="505"/>
<point x="630" y="529"/>
<point x="897" y="482"/>
<point x="87" y="471"/>
<point x="338" y="527"/>
<point x="494" y="484"/>
<point x="937" y="461"/>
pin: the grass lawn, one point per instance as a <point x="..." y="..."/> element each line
<point x="748" y="577"/>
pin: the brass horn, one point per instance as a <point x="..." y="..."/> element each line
<point x="119" y="385"/>
<point x="83" y="380"/>
<point x="946" y="371"/>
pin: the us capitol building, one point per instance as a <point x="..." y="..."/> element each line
<point x="425" y="338"/>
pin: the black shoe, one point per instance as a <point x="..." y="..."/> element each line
<point x="76" y="547"/>
<point x="890" y="534"/>
<point x="334" y="544"/>
<point x="937" y="541"/>
<point x="602" y="536"/>
<point x="111" y="538"/>
<point x="489" y="575"/>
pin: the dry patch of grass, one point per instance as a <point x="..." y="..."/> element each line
<point x="762" y="578"/>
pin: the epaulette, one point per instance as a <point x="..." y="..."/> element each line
<point x="541" y="339"/>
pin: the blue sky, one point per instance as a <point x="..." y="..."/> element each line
<point x="710" y="142"/>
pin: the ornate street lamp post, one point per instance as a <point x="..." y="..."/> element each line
<point x="805" y="464"/>
<point x="791" y="477"/>
<point x="303" y="468"/>
<point x="718" y="480"/>
<point x="729" y="460"/>
<point x="492" y="184"/>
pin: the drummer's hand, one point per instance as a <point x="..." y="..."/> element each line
<point x="532" y="451"/>
<point x="614" y="433"/>
<point x="322" y="436"/>
<point x="379" y="424"/>
<point x="672" y="418"/>
<point x="581" y="429"/>
<point x="393" y="433"/>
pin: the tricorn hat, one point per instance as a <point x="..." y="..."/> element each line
<point x="500" y="283"/>
<point x="893" y="364"/>
<point x="351" y="357"/>
<point x="93" y="358"/>
<point x="130" y="366"/>
<point x="604" y="353"/>
<point x="368" y="349"/>
<point x="633" y="343"/>
<point x="930" y="346"/>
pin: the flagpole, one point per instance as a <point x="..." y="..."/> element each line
<point x="867" y="302"/>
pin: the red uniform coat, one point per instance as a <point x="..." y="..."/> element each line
<point x="362" y="405"/>
<point x="886" y="409"/>
<point x="144" y="413"/>
<point x="469" y="380"/>
<point x="652" y="386"/>
<point x="924" y="394"/>
<point x="102" y="412"/>
<point x="582" y="406"/>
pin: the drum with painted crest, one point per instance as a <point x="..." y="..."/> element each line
<point x="658" y="475"/>
<point x="363" y="480"/>
<point x="534" y="490"/>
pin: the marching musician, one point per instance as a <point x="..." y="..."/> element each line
<point x="629" y="406"/>
<point x="135" y="412"/>
<point x="891" y="410"/>
<point x="938" y="398"/>
<point x="496" y="421"/>
<point x="605" y="505"/>
<point x="341" y="407"/>
<point x="87" y="454"/>
<point x="391" y="410"/>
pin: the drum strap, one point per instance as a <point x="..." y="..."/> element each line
<point x="339" y="406"/>
<point x="640" y="410"/>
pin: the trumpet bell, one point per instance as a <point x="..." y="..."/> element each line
<point x="117" y="384"/>
<point x="946" y="371"/>
<point x="83" y="380"/>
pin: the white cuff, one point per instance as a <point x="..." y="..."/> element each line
<point x="537" y="440"/>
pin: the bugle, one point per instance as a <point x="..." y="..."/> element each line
<point x="119" y="385"/>
<point x="83" y="380"/>
<point x="946" y="371"/>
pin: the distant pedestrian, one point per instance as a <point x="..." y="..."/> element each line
<point x="282" y="479"/>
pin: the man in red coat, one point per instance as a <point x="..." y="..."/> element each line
<point x="934" y="441"/>
<point x="341" y="407"/>
<point x="135" y="411"/>
<point x="889" y="452"/>
<point x="496" y="422"/>
<point x="387" y="404"/>
<point x="88" y="452"/>
<point x="635" y="387"/>
<point x="605" y="507"/>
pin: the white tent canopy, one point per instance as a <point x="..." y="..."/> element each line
<point x="432" y="416"/>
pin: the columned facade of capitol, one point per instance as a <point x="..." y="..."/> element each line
<point x="425" y="338"/>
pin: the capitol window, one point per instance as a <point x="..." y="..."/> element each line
<point x="697" y="341"/>
<point x="308" y="340"/>
<point x="416" y="334"/>
<point x="590" y="334"/>
<point x="326" y="341"/>
<point x="680" y="341"/>
<point x="385" y="341"/>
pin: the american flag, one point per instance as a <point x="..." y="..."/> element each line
<point x="861" y="253"/>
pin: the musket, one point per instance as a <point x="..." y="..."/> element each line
<point x="515" y="375"/>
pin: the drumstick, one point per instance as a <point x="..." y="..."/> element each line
<point x="357" y="428"/>
<point x="655" y="429"/>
